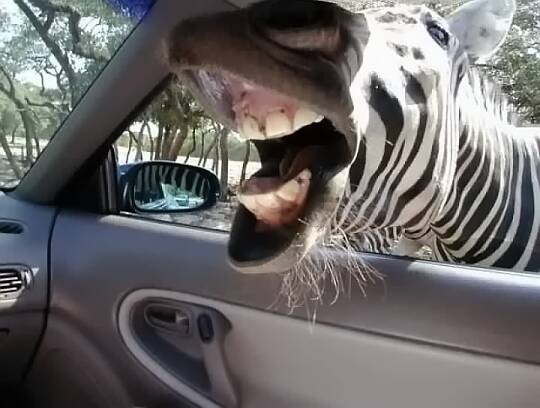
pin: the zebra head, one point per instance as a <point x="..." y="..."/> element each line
<point x="354" y="115"/>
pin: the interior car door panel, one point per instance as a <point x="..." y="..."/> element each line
<point x="24" y="238"/>
<point x="191" y="359"/>
<point x="325" y="366"/>
<point x="127" y="306"/>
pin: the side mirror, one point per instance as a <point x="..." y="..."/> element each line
<point x="166" y="187"/>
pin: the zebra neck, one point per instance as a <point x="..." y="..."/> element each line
<point x="489" y="216"/>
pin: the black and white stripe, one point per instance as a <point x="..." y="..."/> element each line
<point x="151" y="178"/>
<point x="442" y="164"/>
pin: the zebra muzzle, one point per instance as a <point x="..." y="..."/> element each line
<point x="282" y="88"/>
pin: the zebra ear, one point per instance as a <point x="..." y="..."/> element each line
<point x="481" y="26"/>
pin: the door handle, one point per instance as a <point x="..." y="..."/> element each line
<point x="166" y="317"/>
<point x="194" y="337"/>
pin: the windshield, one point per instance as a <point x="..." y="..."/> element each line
<point x="50" y="52"/>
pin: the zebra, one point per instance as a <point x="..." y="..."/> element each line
<point x="158" y="185"/>
<point x="375" y="126"/>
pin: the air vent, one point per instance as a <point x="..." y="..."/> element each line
<point x="13" y="281"/>
<point x="9" y="227"/>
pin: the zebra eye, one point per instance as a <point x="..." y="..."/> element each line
<point x="439" y="34"/>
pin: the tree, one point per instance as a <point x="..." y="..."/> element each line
<point x="7" y="87"/>
<point x="193" y="144"/>
<point x="211" y="148"/>
<point x="47" y="40"/>
<point x="4" y="130"/>
<point x="224" y="172"/>
<point x="246" y="161"/>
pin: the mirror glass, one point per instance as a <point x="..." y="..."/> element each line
<point x="167" y="187"/>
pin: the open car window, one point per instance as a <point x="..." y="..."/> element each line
<point x="175" y="127"/>
<point x="50" y="52"/>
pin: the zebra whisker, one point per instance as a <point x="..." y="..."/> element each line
<point x="334" y="265"/>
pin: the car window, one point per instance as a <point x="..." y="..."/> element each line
<point x="175" y="127"/>
<point x="50" y="52"/>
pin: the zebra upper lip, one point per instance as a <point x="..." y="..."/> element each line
<point x="261" y="113"/>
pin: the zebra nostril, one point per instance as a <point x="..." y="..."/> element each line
<point x="401" y="50"/>
<point x="293" y="14"/>
<point x="298" y="24"/>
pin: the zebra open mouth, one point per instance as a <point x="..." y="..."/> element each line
<point x="288" y="91"/>
<point x="300" y="152"/>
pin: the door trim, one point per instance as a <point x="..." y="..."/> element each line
<point x="277" y="357"/>
<point x="129" y="338"/>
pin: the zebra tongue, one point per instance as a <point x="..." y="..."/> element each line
<point x="272" y="201"/>
<point x="297" y="160"/>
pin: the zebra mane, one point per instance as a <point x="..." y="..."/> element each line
<point x="489" y="95"/>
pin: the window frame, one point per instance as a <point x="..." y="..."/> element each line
<point x="108" y="195"/>
<point x="97" y="177"/>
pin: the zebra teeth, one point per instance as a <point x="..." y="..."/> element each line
<point x="277" y="124"/>
<point x="295" y="188"/>
<point x="289" y="191"/>
<point x="280" y="206"/>
<point x="264" y="205"/>
<point x="304" y="117"/>
<point x="250" y="129"/>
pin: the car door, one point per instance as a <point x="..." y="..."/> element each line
<point x="131" y="310"/>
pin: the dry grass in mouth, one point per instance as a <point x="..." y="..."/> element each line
<point x="333" y="265"/>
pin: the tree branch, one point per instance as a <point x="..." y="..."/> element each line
<point x="42" y="78"/>
<point x="50" y="19"/>
<point x="74" y="18"/>
<point x="52" y="45"/>
<point x="10" y="93"/>
<point x="58" y="75"/>
<point x="42" y="104"/>
<point x="490" y="66"/>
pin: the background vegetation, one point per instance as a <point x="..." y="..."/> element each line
<point x="51" y="51"/>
